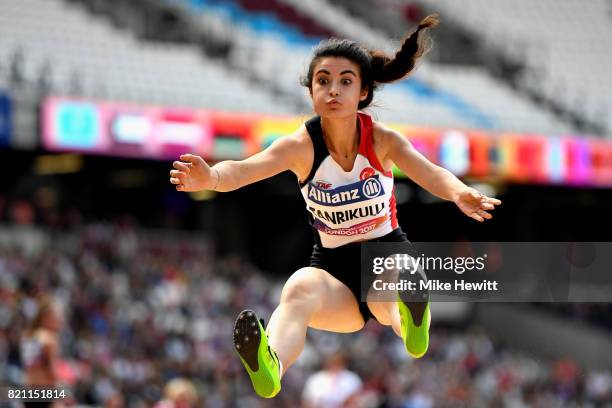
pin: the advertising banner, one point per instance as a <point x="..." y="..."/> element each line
<point x="164" y="133"/>
<point x="5" y="119"/>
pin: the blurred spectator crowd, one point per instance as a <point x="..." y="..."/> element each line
<point x="145" y="307"/>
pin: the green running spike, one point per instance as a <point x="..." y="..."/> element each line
<point x="415" y="318"/>
<point x="259" y="360"/>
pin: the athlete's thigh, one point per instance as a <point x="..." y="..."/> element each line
<point x="337" y="308"/>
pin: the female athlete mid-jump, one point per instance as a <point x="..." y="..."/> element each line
<point x="343" y="162"/>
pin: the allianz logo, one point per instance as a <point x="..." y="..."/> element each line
<point x="359" y="191"/>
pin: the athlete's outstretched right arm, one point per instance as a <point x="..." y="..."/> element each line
<point x="192" y="173"/>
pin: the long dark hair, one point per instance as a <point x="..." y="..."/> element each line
<point x="376" y="67"/>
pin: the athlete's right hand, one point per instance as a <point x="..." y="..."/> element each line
<point x="192" y="173"/>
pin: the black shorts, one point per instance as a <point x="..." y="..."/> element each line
<point x="344" y="264"/>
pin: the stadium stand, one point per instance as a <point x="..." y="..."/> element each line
<point x="86" y="56"/>
<point x="131" y="289"/>
<point x="563" y="47"/>
<point x="425" y="98"/>
<point x="180" y="75"/>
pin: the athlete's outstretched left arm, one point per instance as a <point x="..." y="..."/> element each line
<point x="435" y="179"/>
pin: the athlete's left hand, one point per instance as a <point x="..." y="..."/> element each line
<point x="475" y="204"/>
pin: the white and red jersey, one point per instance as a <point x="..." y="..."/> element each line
<point x="348" y="206"/>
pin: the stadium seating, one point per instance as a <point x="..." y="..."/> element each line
<point x="487" y="93"/>
<point x="562" y="42"/>
<point x="89" y="57"/>
<point x="75" y="58"/>
<point x="144" y="306"/>
<point x="437" y="95"/>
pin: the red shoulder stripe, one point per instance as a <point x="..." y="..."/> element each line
<point x="394" y="223"/>
<point x="366" y="146"/>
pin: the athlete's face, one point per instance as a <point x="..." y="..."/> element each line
<point x="336" y="87"/>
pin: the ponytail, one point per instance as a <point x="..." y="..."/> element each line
<point x="385" y="69"/>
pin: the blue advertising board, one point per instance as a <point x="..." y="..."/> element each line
<point x="77" y="125"/>
<point x="5" y="119"/>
